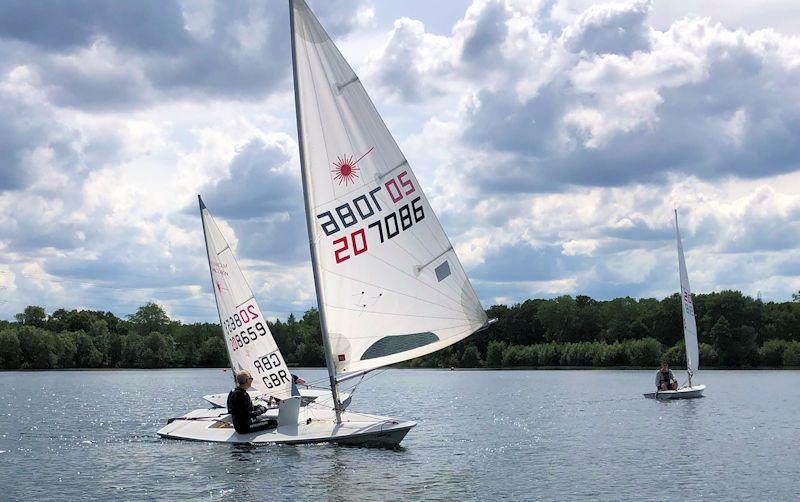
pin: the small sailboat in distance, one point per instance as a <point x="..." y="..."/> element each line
<point x="388" y="282"/>
<point x="689" y="333"/>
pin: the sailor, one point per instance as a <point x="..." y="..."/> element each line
<point x="244" y="414"/>
<point x="665" y="380"/>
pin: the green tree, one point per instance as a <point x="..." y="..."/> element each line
<point x="676" y="355"/>
<point x="10" y="353"/>
<point x="771" y="353"/>
<point x="100" y="335"/>
<point x="87" y="355"/>
<point x="470" y="358"/>
<point x="115" y="350"/>
<point x="494" y="354"/>
<point x="644" y="352"/>
<point x="515" y="355"/>
<point x="32" y="316"/>
<point x="150" y="318"/>
<point x="38" y="348"/>
<point x="559" y="318"/>
<point x="213" y="353"/>
<point x="310" y="354"/>
<point x="66" y="348"/>
<point x="708" y="356"/>
<point x="791" y="355"/>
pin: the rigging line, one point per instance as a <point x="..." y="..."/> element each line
<point x="391" y="290"/>
<point x="365" y="378"/>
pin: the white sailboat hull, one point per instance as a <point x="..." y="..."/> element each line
<point x="684" y="393"/>
<point x="317" y="425"/>
<point x="308" y="395"/>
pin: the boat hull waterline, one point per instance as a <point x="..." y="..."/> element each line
<point x="684" y="393"/>
<point x="316" y="426"/>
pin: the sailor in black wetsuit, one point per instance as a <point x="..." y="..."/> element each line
<point x="241" y="407"/>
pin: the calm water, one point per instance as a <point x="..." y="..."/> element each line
<point x="483" y="435"/>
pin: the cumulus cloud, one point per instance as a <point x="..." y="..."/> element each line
<point x="610" y="28"/>
<point x="610" y="100"/>
<point x="553" y="143"/>
<point x="262" y="201"/>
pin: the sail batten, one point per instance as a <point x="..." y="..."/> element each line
<point x="248" y="340"/>
<point x="389" y="284"/>
<point x="687" y="304"/>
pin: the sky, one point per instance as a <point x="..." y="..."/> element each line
<point x="553" y="138"/>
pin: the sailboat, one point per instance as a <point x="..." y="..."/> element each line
<point x="389" y="284"/>
<point x="248" y="340"/>
<point x="689" y="333"/>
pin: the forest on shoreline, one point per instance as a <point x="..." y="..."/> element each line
<point x="735" y="331"/>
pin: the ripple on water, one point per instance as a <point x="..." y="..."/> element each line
<point x="484" y="435"/>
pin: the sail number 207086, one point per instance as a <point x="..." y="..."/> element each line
<point x="367" y="207"/>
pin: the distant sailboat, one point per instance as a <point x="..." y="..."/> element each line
<point x="689" y="332"/>
<point x="388" y="282"/>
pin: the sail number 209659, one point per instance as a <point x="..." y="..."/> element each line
<point x="367" y="206"/>
<point x="237" y="331"/>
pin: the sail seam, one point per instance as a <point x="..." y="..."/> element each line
<point x="252" y="297"/>
<point x="421" y="267"/>
<point x="378" y="286"/>
<point x="342" y="86"/>
<point x="446" y="328"/>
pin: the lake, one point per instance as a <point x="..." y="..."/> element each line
<point x="482" y="435"/>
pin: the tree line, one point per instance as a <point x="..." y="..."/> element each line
<point x="735" y="331"/>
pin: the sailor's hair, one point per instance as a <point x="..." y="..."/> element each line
<point x="242" y="377"/>
<point x="664" y="363"/>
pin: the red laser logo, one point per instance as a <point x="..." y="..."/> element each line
<point x="345" y="170"/>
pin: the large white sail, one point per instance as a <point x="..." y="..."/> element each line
<point x="390" y="285"/>
<point x="248" y="339"/>
<point x="689" y="324"/>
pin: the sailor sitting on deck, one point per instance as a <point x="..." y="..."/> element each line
<point x="665" y="380"/>
<point x="242" y="410"/>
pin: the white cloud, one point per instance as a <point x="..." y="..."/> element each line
<point x="553" y="139"/>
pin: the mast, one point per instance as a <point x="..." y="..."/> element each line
<point x="216" y="301"/>
<point x="681" y="272"/>
<point x="337" y="406"/>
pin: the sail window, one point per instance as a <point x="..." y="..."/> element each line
<point x="443" y="271"/>
<point x="394" y="344"/>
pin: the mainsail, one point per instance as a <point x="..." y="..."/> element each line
<point x="248" y="339"/>
<point x="389" y="284"/>
<point x="689" y="324"/>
